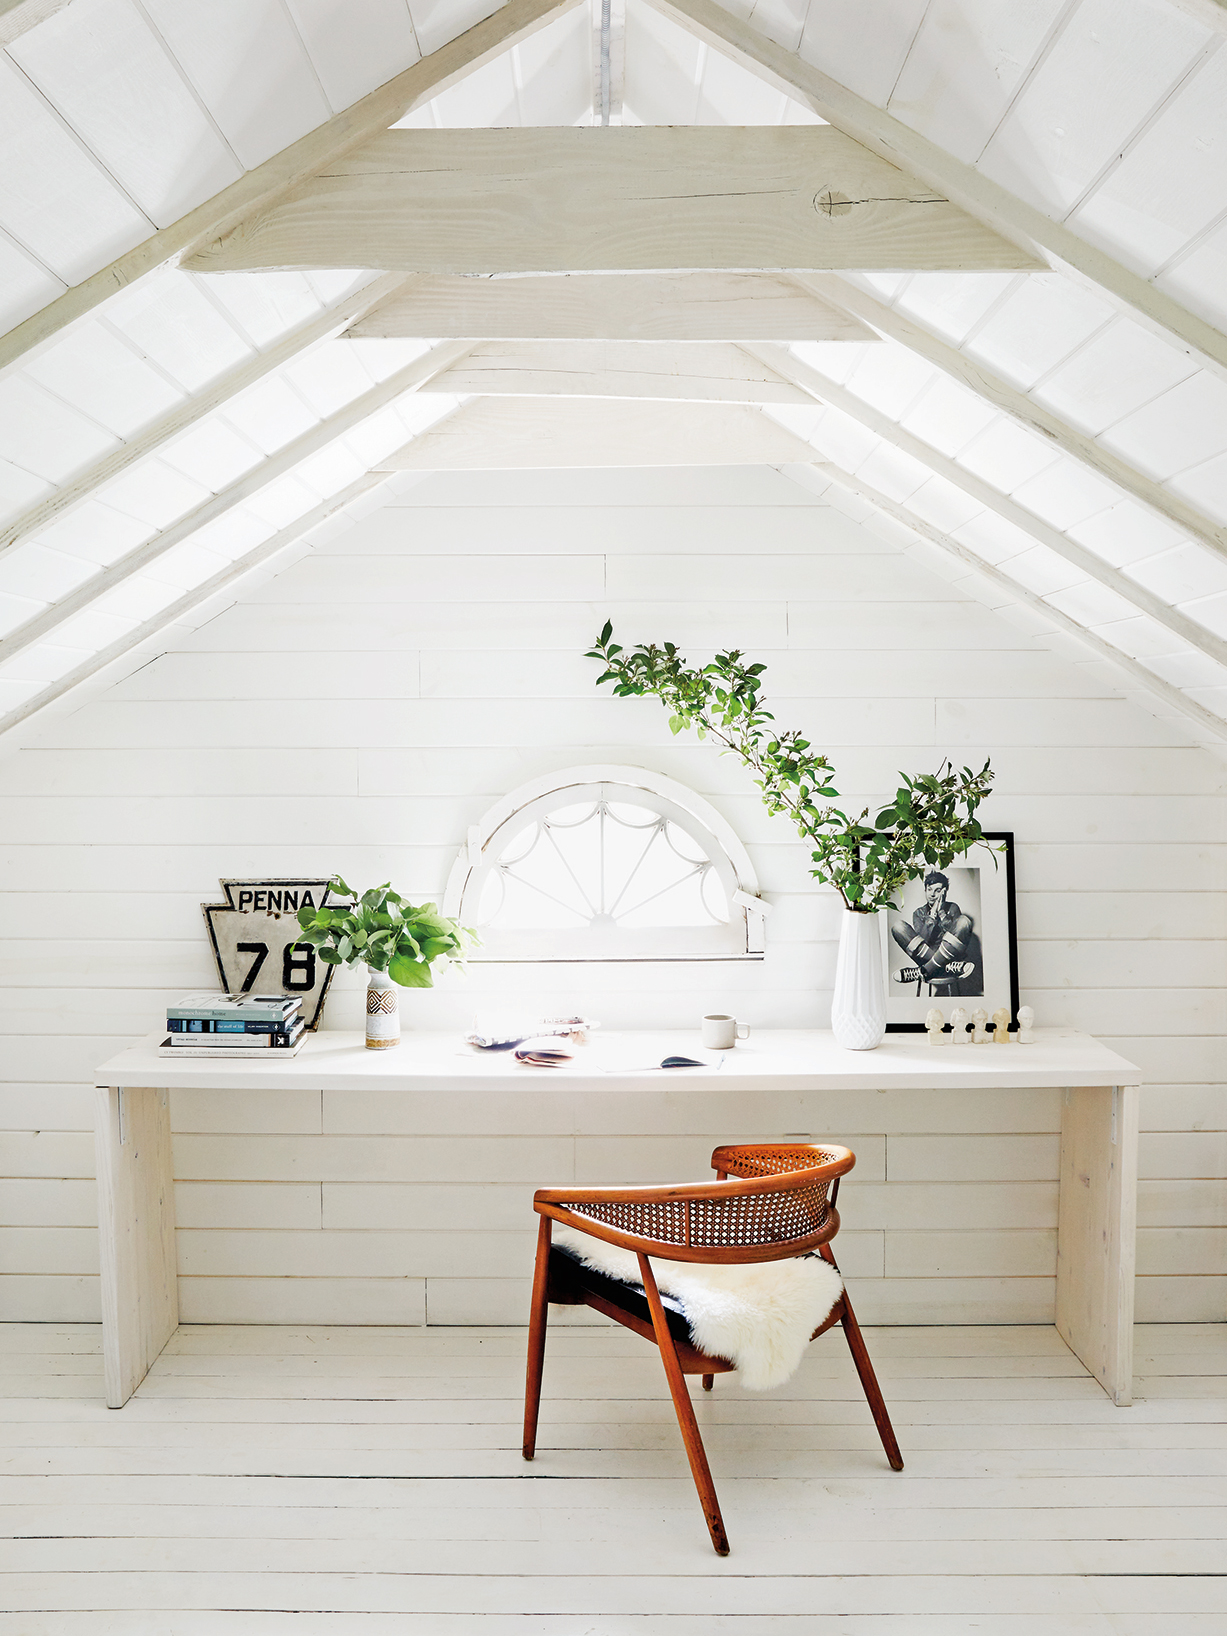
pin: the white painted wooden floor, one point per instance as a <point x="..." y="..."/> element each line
<point x="360" y="1482"/>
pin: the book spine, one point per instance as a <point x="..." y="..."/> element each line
<point x="228" y="1025"/>
<point x="179" y="1014"/>
<point x="199" y="1051"/>
<point x="220" y="1043"/>
<point x="239" y="1042"/>
<point x="255" y="1011"/>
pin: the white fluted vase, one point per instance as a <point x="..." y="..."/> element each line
<point x="382" y="1010"/>
<point x="858" y="1008"/>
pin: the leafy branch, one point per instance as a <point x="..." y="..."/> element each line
<point x="385" y="931"/>
<point x="929" y="823"/>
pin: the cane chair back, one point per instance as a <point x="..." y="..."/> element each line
<point x="776" y="1209"/>
<point x="774" y="1158"/>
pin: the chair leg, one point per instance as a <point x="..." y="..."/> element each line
<point x="864" y="1368"/>
<point x="538" y="1319"/>
<point x="684" y="1409"/>
<point x="869" y="1381"/>
<point x="708" y="1382"/>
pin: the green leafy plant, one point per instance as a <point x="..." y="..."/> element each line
<point x="930" y="822"/>
<point x="385" y="931"/>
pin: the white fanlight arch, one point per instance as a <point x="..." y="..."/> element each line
<point x="606" y="863"/>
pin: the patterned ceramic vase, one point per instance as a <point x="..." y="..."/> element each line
<point x="858" y="1007"/>
<point x="382" y="1010"/>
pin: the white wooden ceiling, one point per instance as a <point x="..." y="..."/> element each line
<point x="1056" y="439"/>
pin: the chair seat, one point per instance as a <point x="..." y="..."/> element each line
<point x="569" y="1276"/>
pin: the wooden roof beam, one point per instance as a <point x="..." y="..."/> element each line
<point x="260" y="188"/>
<point x="962" y="184"/>
<point x="500" y="434"/>
<point x="1209" y="13"/>
<point x="706" y="306"/>
<point x="608" y="60"/>
<point x="277" y="465"/>
<point x="177" y="610"/>
<point x="16" y="16"/>
<point x="1094" y="567"/>
<point x="1204" y="720"/>
<point x="219" y="392"/>
<point x="1015" y="403"/>
<point x="644" y="198"/>
<point x="686" y="372"/>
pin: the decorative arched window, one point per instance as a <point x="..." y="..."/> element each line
<point x="607" y="863"/>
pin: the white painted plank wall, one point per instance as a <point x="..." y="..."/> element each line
<point x="361" y="709"/>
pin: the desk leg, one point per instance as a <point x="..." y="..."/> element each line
<point x="1096" y="1232"/>
<point x="136" y="1221"/>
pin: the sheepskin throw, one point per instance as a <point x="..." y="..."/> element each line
<point x="759" y="1315"/>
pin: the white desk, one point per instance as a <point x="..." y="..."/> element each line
<point x="1098" y="1157"/>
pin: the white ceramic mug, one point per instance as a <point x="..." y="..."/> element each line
<point x="721" y="1033"/>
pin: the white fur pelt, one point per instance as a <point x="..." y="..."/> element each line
<point x="759" y="1315"/>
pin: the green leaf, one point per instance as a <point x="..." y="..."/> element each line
<point x="931" y="816"/>
<point x="410" y="973"/>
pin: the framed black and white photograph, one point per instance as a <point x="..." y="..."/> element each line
<point x="954" y="942"/>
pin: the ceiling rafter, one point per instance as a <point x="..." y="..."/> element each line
<point x="1205" y="720"/>
<point x="706" y="306"/>
<point x="645" y="198"/>
<point x="711" y="371"/>
<point x="183" y="605"/>
<point x="962" y="184"/>
<point x="1078" y="556"/>
<point x="297" y="343"/>
<point x="557" y="430"/>
<point x="16" y="16"/>
<point x="1209" y="13"/>
<point x="896" y="326"/>
<point x="263" y="186"/>
<point x="608" y="60"/>
<point x="277" y="465"/>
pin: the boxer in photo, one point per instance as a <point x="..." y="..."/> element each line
<point x="941" y="942"/>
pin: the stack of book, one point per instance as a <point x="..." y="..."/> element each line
<point x="236" y="1025"/>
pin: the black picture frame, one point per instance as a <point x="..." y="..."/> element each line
<point x="999" y="928"/>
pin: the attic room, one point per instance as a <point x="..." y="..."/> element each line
<point x="613" y="752"/>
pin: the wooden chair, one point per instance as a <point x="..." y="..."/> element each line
<point x="782" y="1205"/>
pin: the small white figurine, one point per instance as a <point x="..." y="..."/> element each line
<point x="958" y="1026"/>
<point x="979" y="1018"/>
<point x="935" y="1022"/>
<point x="1026" y="1023"/>
<point x="1001" y="1025"/>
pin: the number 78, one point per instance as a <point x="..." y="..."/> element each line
<point x="297" y="966"/>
